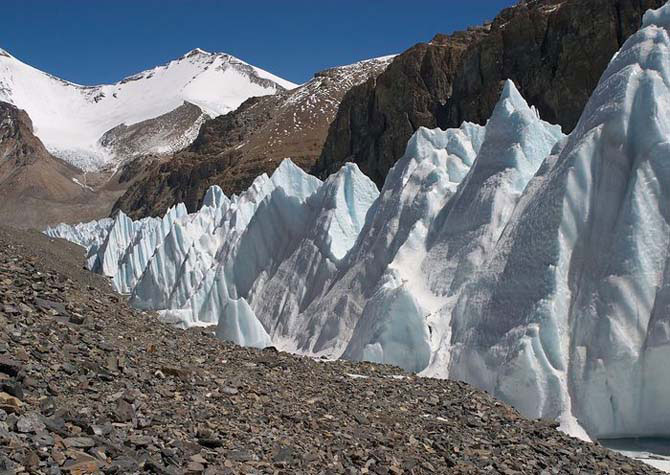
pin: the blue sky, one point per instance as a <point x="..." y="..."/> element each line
<point x="102" y="41"/>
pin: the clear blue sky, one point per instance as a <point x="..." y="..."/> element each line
<point x="102" y="41"/>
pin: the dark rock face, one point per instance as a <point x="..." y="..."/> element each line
<point x="17" y="141"/>
<point x="164" y="134"/>
<point x="554" y="50"/>
<point x="376" y="118"/>
<point x="123" y="393"/>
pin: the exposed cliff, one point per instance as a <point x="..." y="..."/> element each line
<point x="554" y="50"/>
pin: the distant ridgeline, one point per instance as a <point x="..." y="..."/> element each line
<point x="153" y="112"/>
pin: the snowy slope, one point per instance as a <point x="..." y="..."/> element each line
<point x="528" y="263"/>
<point x="71" y="119"/>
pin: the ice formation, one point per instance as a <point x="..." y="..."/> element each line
<point x="528" y="263"/>
<point x="267" y="252"/>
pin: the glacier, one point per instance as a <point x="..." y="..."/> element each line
<point x="234" y="258"/>
<point x="531" y="264"/>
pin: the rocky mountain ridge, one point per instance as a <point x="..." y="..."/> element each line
<point x="554" y="50"/>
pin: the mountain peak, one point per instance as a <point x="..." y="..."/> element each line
<point x="214" y="82"/>
<point x="200" y="52"/>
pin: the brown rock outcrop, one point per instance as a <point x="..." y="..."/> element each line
<point x="38" y="189"/>
<point x="233" y="149"/>
<point x="554" y="50"/>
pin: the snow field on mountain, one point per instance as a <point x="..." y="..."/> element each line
<point x="70" y="119"/>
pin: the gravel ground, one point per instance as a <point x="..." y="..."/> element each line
<point x="90" y="385"/>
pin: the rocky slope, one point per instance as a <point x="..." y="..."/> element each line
<point x="90" y="385"/>
<point x="554" y="50"/>
<point x="167" y="133"/>
<point x="37" y="188"/>
<point x="233" y="149"/>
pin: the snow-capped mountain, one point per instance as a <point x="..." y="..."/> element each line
<point x="234" y="149"/>
<point x="531" y="264"/>
<point x="77" y="123"/>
